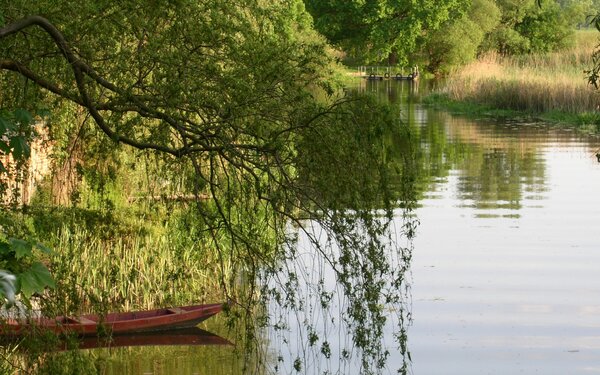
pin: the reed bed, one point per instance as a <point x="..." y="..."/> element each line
<point x="134" y="273"/>
<point x="536" y="83"/>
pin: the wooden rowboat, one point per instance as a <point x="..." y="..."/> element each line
<point x="115" y="323"/>
<point x="192" y="336"/>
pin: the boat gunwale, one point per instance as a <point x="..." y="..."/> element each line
<point x="117" y="322"/>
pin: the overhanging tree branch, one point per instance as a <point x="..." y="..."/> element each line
<point x="81" y="71"/>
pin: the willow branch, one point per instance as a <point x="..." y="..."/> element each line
<point x="80" y="70"/>
<point x="23" y="70"/>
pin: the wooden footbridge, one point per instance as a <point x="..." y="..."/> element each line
<point x="375" y="73"/>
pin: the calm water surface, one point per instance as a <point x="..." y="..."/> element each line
<point x="505" y="277"/>
<point x="506" y="267"/>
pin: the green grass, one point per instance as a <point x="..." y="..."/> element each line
<point x="549" y="86"/>
<point x="589" y="121"/>
<point x="127" y="258"/>
<point x="139" y="272"/>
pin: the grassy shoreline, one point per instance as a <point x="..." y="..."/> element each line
<point x="549" y="87"/>
<point x="588" y="121"/>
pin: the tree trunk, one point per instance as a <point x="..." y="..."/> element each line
<point x="392" y="58"/>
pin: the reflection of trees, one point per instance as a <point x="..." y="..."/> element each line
<point x="390" y="91"/>
<point x="496" y="178"/>
<point x="158" y="360"/>
<point x="496" y="164"/>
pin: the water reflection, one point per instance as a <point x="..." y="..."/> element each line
<point x="506" y="255"/>
<point x="506" y="258"/>
<point x="337" y="298"/>
<point x="178" y="351"/>
<point x="494" y="166"/>
<point x="327" y="331"/>
<point x="186" y="336"/>
<point x="504" y="271"/>
<point x="333" y="297"/>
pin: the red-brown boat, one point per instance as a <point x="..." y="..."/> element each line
<point x="135" y="321"/>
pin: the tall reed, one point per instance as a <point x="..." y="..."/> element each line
<point x="139" y="272"/>
<point x="537" y="82"/>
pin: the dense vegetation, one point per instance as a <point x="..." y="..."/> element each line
<point x="190" y="144"/>
<point x="507" y="28"/>
<point x="218" y="103"/>
<point x="527" y="55"/>
<point x="538" y="61"/>
<point x="551" y="86"/>
<point x="376" y="30"/>
<point x="445" y="34"/>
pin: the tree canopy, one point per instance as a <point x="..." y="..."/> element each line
<point x="458" y="41"/>
<point x="236" y="100"/>
<point x="378" y="29"/>
<point x="220" y="87"/>
<point x="182" y="74"/>
<point x="526" y="27"/>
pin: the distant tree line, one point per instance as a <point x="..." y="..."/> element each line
<point x="442" y="34"/>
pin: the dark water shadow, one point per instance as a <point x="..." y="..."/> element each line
<point x="188" y="337"/>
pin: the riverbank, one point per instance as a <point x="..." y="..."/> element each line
<point x="551" y="87"/>
<point x="588" y="121"/>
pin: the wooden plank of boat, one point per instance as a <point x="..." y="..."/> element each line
<point x="135" y="321"/>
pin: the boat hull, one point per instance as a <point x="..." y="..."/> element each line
<point x="115" y="323"/>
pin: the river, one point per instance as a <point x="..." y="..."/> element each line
<point x="504" y="277"/>
<point x="507" y="257"/>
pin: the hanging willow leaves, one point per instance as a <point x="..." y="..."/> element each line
<point x="237" y="96"/>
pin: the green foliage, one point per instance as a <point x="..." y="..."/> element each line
<point x="21" y="256"/>
<point x="352" y="211"/>
<point x="352" y="139"/>
<point x="228" y="60"/>
<point x="594" y="72"/>
<point x="15" y="134"/>
<point x="578" y="12"/>
<point x="68" y="363"/>
<point x="231" y="102"/>
<point x="537" y="83"/>
<point x="131" y="273"/>
<point x="508" y="27"/>
<point x="526" y="27"/>
<point x="507" y="41"/>
<point x="35" y="280"/>
<point x="457" y="41"/>
<point x="107" y="224"/>
<point x="514" y="11"/>
<point x="584" y="121"/>
<point x="377" y="29"/>
<point x="546" y="28"/>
